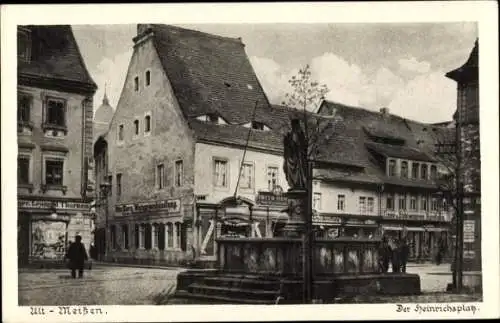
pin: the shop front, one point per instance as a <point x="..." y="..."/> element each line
<point x="47" y="227"/>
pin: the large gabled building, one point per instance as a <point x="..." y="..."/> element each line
<point x="55" y="98"/>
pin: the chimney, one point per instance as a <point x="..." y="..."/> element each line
<point x="384" y="111"/>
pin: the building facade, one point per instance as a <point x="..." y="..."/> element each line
<point x="55" y="94"/>
<point x="469" y="154"/>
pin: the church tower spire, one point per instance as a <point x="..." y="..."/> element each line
<point x="105" y="98"/>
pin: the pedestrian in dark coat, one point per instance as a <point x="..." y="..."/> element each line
<point x="77" y="256"/>
<point x="396" y="257"/>
<point x="404" y="251"/>
<point x="384" y="254"/>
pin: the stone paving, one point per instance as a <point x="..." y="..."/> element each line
<point x="116" y="285"/>
<point x="103" y="285"/>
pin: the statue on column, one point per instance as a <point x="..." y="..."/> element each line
<point x="295" y="157"/>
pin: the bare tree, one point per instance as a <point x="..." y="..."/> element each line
<point x="457" y="156"/>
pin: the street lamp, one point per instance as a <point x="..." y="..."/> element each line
<point x="105" y="187"/>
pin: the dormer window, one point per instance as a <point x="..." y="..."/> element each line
<point x="392" y="168"/>
<point x="404" y="169"/>
<point x="257" y="126"/>
<point x="211" y="118"/>
<point x="24" y="44"/>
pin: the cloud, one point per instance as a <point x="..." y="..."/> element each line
<point x="111" y="71"/>
<point x="412" y="65"/>
<point x="427" y="98"/>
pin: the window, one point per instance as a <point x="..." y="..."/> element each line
<point x="125" y="236"/>
<point x="118" y="186"/>
<point x="433" y="172"/>
<point x="423" y="203"/>
<point x="414" y="170"/>
<point x="246" y="181"/>
<point x="402" y="202"/>
<point x="23" y="170"/>
<point x="178" y="235"/>
<point x="136" y="127"/>
<point x="160" y="176"/>
<point x="423" y="172"/>
<point x="148" y="78"/>
<point x="341" y="202"/>
<point x="259" y="126"/>
<point x="136" y="83"/>
<point x="371" y="205"/>
<point x="392" y="167"/>
<point x="272" y="178"/>
<point x="112" y="233"/>
<point x="413" y="203"/>
<point x="55" y="112"/>
<point x="23" y="45"/>
<point x="179" y="173"/>
<point x="110" y="181"/>
<point x="147" y="124"/>
<point x="142" y="236"/>
<point x="220" y="173"/>
<point x="434" y="204"/>
<point x="24" y="107"/>
<point x="390" y="202"/>
<point x="54" y="172"/>
<point x="120" y="132"/>
<point x="170" y="235"/>
<point x="316" y="201"/>
<point x="155" y="232"/>
<point x="362" y="204"/>
<point x="404" y="169"/>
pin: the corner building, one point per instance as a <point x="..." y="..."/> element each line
<point x="54" y="138"/>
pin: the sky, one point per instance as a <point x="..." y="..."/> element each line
<point x="399" y="66"/>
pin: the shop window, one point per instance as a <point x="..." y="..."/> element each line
<point x="414" y="170"/>
<point x="24" y="104"/>
<point x="179" y="173"/>
<point x="23" y="170"/>
<point x="125" y="236"/>
<point x="392" y="167"/>
<point x="404" y="169"/>
<point x="340" y="202"/>
<point x="220" y="173"/>
<point x="316" y="201"/>
<point x="161" y="237"/>
<point x="246" y="181"/>
<point x="160" y="176"/>
<point x="371" y="205"/>
<point x="54" y="172"/>
<point x="272" y="178"/>
<point x="148" y="234"/>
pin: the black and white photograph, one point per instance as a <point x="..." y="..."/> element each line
<point x="165" y="162"/>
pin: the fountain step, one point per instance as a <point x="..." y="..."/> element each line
<point x="233" y="292"/>
<point x="218" y="299"/>
<point x="242" y="282"/>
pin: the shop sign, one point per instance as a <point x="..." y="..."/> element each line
<point x="271" y="198"/>
<point x="48" y="204"/>
<point x="171" y="206"/>
<point x="469" y="231"/>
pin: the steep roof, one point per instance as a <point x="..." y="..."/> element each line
<point x="54" y="55"/>
<point x="469" y="70"/>
<point x="208" y="73"/>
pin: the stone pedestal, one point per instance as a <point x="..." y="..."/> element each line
<point x="297" y="213"/>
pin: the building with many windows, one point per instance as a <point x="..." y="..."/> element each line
<point x="55" y="94"/>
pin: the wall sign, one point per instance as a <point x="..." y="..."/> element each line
<point x="171" y="206"/>
<point x="271" y="198"/>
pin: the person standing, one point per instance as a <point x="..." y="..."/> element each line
<point x="77" y="256"/>
<point x="396" y="256"/>
<point x="404" y="251"/>
<point x="385" y="253"/>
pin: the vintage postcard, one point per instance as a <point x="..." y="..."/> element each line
<point x="217" y="162"/>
